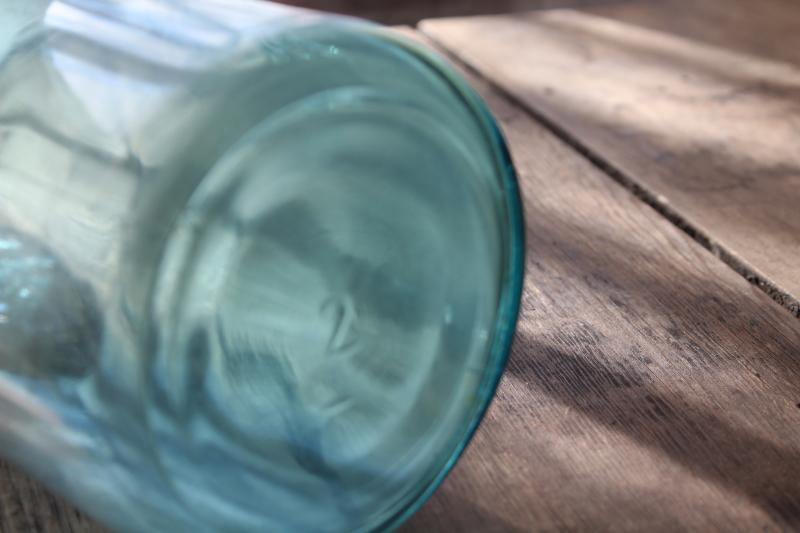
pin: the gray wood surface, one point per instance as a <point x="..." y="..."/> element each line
<point x="768" y="28"/>
<point x="650" y="387"/>
<point x="27" y="507"/>
<point x="709" y="136"/>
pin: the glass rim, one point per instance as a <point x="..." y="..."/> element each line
<point x="512" y="257"/>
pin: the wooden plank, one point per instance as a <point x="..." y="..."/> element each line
<point x="650" y="388"/>
<point x="27" y="507"/>
<point x="710" y="136"/>
<point x="768" y="28"/>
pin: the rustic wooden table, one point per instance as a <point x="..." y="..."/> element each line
<point x="655" y="379"/>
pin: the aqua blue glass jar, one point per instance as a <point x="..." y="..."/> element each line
<point x="259" y="268"/>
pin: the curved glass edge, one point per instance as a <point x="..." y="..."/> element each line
<point x="513" y="260"/>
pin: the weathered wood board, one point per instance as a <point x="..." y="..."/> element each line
<point x="767" y="28"/>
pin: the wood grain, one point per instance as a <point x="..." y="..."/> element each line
<point x="768" y="28"/>
<point x="650" y="388"/>
<point x="27" y="507"/>
<point x="709" y="136"/>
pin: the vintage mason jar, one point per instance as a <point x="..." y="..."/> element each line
<point x="259" y="267"/>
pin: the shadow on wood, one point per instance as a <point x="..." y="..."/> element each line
<point x="691" y="321"/>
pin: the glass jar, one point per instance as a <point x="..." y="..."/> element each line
<point x="259" y="267"/>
